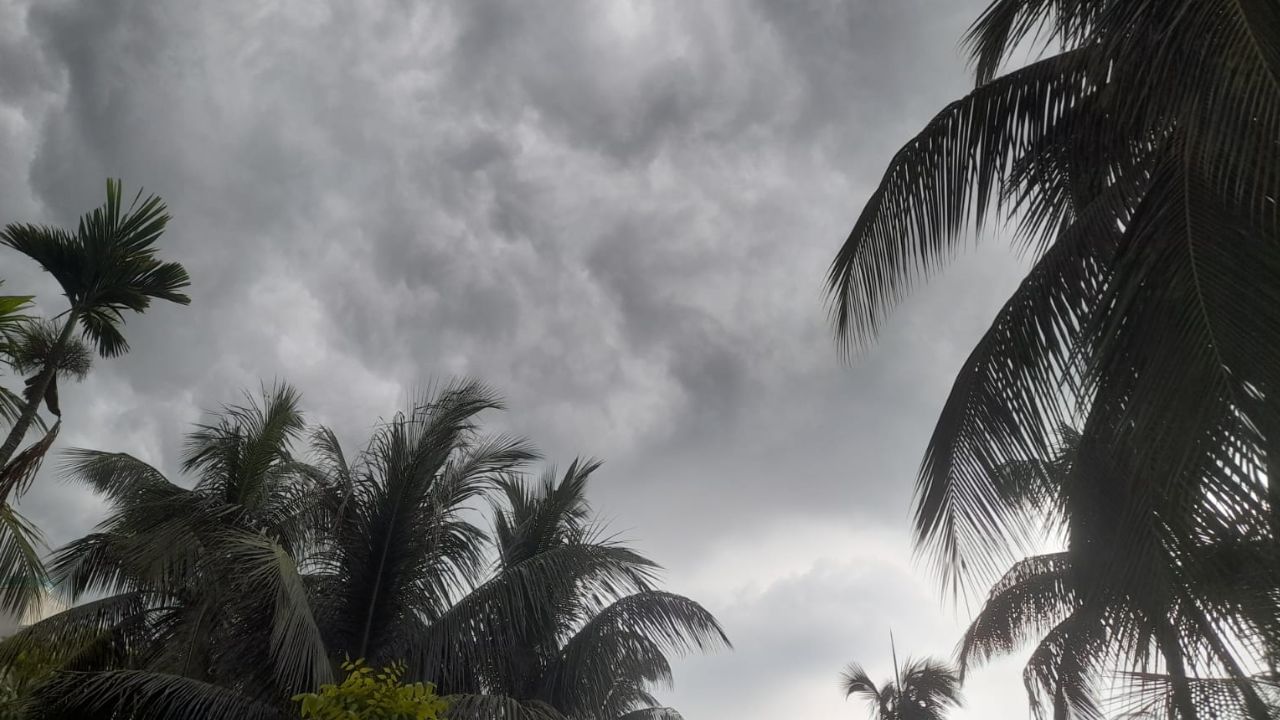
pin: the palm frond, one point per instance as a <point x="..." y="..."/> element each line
<point x="35" y="346"/>
<point x="1063" y="669"/>
<point x="1006" y="24"/>
<point x="1151" y="695"/>
<point x="652" y="713"/>
<point x="1031" y="599"/>
<point x="17" y="475"/>
<point x="405" y="545"/>
<point x="627" y="641"/>
<point x="122" y="478"/>
<point x="247" y="449"/>
<point x="1005" y="404"/>
<point x="66" y="633"/>
<point x="108" y="266"/>
<point x="139" y="693"/>
<point x="11" y="408"/>
<point x="498" y="707"/>
<point x="482" y="626"/>
<point x="265" y="570"/>
<point x="930" y="686"/>
<point x="25" y="580"/>
<point x="855" y="680"/>
<point x="948" y="175"/>
<point x="554" y="512"/>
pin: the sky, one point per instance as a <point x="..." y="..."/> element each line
<point x="617" y="212"/>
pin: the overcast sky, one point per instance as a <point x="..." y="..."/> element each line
<point x="617" y="212"/>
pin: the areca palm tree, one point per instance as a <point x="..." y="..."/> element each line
<point x="225" y="599"/>
<point x="922" y="690"/>
<point x="106" y="267"/>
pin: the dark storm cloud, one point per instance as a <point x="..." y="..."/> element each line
<point x="617" y="213"/>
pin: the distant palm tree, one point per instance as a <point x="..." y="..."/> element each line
<point x="34" y="350"/>
<point x="224" y="600"/>
<point x="922" y="690"/>
<point x="108" y="266"/>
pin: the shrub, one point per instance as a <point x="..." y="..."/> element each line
<point x="368" y="694"/>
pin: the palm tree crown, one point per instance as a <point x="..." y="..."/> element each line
<point x="923" y="690"/>
<point x="108" y="266"/>
<point x="227" y="598"/>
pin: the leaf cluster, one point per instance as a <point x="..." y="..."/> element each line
<point x="368" y="694"/>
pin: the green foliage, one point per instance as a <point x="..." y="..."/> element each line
<point x="24" y="674"/>
<point x="106" y="268"/>
<point x="368" y="694"/>
<point x="12" y="320"/>
<point x="225" y="595"/>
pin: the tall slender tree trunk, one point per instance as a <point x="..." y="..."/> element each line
<point x="1171" y="650"/>
<point x="32" y="404"/>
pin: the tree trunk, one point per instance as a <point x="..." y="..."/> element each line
<point x="1167" y="639"/>
<point x="32" y="404"/>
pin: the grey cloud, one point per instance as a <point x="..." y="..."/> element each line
<point x="618" y="213"/>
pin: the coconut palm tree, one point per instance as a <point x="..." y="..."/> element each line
<point x="225" y="599"/>
<point x="171" y="567"/>
<point x="1135" y="162"/>
<point x="922" y="690"/>
<point x="108" y="266"/>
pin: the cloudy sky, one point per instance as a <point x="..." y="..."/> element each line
<point x="617" y="212"/>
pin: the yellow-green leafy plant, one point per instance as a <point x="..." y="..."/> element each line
<point x="369" y="694"/>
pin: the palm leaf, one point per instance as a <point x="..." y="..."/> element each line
<point x="66" y="633"/>
<point x="498" y="707"/>
<point x="17" y="475"/>
<point x="629" y="640"/>
<point x="264" y="569"/>
<point x="26" y="581"/>
<point x="945" y="177"/>
<point x="108" y="266"/>
<point x="855" y="680"/>
<point x="1005" y="24"/>
<point x="1151" y="695"/>
<point x="479" y="629"/>
<point x="1030" y="600"/>
<point x="652" y="713"/>
<point x="138" y="693"/>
